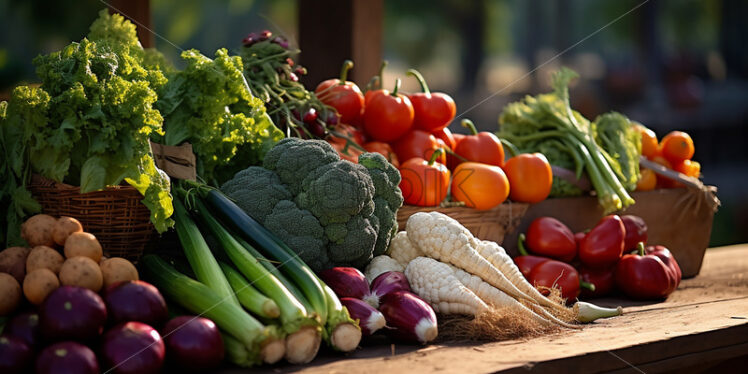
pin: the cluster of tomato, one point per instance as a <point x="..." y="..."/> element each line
<point x="612" y="255"/>
<point x="411" y="132"/>
<point x="674" y="151"/>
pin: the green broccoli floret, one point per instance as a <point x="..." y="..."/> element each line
<point x="293" y="159"/>
<point x="336" y="192"/>
<point x="356" y="247"/>
<point x="301" y="231"/>
<point x="388" y="197"/>
<point x="257" y="191"/>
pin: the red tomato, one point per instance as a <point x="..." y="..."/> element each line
<point x="433" y="111"/>
<point x="424" y="183"/>
<point x="446" y="136"/>
<point x="385" y="150"/>
<point x="417" y="143"/>
<point x="388" y="117"/>
<point x="344" y="96"/>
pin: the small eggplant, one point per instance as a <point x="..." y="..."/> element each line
<point x="369" y="319"/>
<point x="384" y="284"/>
<point x="346" y="282"/>
<point x="411" y="318"/>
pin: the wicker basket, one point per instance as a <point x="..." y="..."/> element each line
<point x="115" y="215"/>
<point x="490" y="224"/>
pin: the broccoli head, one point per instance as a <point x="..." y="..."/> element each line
<point x="257" y="191"/>
<point x="293" y="159"/>
<point x="356" y="247"/>
<point x="305" y="236"/>
<point x="388" y="197"/>
<point x="336" y="192"/>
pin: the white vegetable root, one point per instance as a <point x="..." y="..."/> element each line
<point x="434" y="282"/>
<point x="401" y="249"/>
<point x="442" y="238"/>
<point x="379" y="265"/>
<point x="497" y="256"/>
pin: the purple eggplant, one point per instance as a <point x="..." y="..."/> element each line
<point x="15" y="355"/>
<point x="25" y="326"/>
<point x="72" y="313"/>
<point x="193" y="343"/>
<point x="67" y="358"/>
<point x="384" y="284"/>
<point x="411" y="318"/>
<point x="132" y="348"/>
<point x="346" y="282"/>
<point x="369" y="319"/>
<point x="135" y="301"/>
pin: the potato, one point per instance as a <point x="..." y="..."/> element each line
<point x="10" y="294"/>
<point x="38" y="229"/>
<point x="43" y="257"/>
<point x="118" y="269"/>
<point x="81" y="271"/>
<point x="13" y="262"/>
<point x="83" y="244"/>
<point x="38" y="284"/>
<point x="64" y="227"/>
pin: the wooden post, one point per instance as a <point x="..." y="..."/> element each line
<point x="331" y="31"/>
<point x="138" y="11"/>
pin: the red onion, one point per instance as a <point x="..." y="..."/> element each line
<point x="67" y="357"/>
<point x="25" y="326"/>
<point x="369" y="319"/>
<point x="135" y="301"/>
<point x="346" y="282"/>
<point x="15" y="355"/>
<point x="193" y="343"/>
<point x="412" y="319"/>
<point x="132" y="348"/>
<point x="384" y="284"/>
<point x="72" y="313"/>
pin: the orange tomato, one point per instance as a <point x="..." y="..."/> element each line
<point x="424" y="183"/>
<point x="689" y="168"/>
<point x="647" y="180"/>
<point x="650" y="147"/>
<point x="383" y="149"/>
<point x="479" y="186"/>
<point x="530" y="177"/>
<point x="677" y="146"/>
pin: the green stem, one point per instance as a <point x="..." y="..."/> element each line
<point x="437" y="153"/>
<point x="347" y="65"/>
<point x="398" y="82"/>
<point x="421" y="81"/>
<point x="521" y="245"/>
<point x="587" y="285"/>
<point x="468" y="124"/>
<point x="450" y="152"/>
<point x="640" y="248"/>
<point x="513" y="150"/>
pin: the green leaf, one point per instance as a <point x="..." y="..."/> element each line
<point x="93" y="175"/>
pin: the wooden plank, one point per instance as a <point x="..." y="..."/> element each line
<point x="700" y="326"/>
<point x="331" y="31"/>
<point x="138" y="11"/>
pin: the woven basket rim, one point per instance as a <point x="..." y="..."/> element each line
<point x="40" y="180"/>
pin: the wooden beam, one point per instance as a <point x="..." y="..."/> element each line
<point x="331" y="31"/>
<point x="138" y="11"/>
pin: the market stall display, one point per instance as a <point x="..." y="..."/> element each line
<point x="293" y="235"/>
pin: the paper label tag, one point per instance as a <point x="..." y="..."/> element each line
<point x="176" y="161"/>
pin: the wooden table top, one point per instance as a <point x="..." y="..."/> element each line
<point x="703" y="326"/>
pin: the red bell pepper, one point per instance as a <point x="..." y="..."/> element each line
<point x="667" y="258"/>
<point x="374" y="87"/>
<point x="548" y="237"/>
<point x="603" y="279"/>
<point x="388" y="117"/>
<point x="417" y="143"/>
<point x="636" y="231"/>
<point x="344" y="96"/>
<point x="602" y="247"/>
<point x="446" y="136"/>
<point x="433" y="111"/>
<point x="644" y="276"/>
<point x="526" y="262"/>
<point x="424" y="183"/>
<point x="552" y="273"/>
<point x="483" y="147"/>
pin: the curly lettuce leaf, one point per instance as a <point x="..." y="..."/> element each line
<point x="615" y="134"/>
<point x="209" y="105"/>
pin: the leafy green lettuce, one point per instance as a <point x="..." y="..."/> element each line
<point x="209" y="105"/>
<point x="90" y="122"/>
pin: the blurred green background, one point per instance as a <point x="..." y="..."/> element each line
<point x="670" y="64"/>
